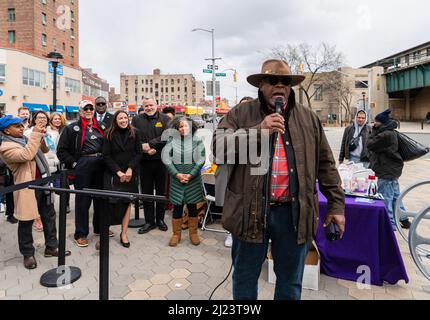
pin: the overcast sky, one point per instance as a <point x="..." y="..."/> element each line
<point x="135" y="36"/>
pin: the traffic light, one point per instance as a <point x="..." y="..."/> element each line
<point x="301" y="68"/>
<point x="235" y="76"/>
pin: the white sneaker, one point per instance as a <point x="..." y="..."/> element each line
<point x="228" y="241"/>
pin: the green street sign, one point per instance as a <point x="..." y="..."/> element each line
<point x="207" y="71"/>
<point x="221" y="74"/>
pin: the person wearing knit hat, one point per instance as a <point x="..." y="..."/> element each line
<point x="383" y="117"/>
<point x="386" y="162"/>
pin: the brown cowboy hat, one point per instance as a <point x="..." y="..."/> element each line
<point x="276" y="68"/>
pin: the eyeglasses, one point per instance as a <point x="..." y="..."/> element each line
<point x="88" y="108"/>
<point x="101" y="104"/>
<point x="273" y="81"/>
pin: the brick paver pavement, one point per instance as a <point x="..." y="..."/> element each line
<point x="152" y="270"/>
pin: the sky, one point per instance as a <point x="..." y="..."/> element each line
<point x="137" y="36"/>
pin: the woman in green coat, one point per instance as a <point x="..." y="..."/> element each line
<point x="184" y="156"/>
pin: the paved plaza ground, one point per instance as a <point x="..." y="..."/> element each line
<point x="150" y="269"/>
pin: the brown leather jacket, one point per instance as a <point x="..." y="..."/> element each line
<point x="244" y="213"/>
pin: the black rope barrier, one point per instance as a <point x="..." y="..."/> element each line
<point x="104" y="231"/>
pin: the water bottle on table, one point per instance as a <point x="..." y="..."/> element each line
<point x="373" y="187"/>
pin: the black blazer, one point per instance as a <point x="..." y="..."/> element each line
<point x="107" y="120"/>
<point x="120" y="155"/>
<point x="151" y="130"/>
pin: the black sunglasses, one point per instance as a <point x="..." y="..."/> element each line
<point x="88" y="108"/>
<point x="101" y="104"/>
<point x="273" y="81"/>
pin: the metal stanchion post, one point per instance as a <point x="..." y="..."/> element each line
<point x="62" y="275"/>
<point x="136" y="222"/>
<point x="104" y="255"/>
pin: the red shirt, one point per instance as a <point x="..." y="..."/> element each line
<point x="280" y="179"/>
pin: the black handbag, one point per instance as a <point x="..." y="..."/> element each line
<point x="410" y="149"/>
<point x="355" y="142"/>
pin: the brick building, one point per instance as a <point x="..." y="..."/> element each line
<point x="165" y="89"/>
<point x="41" y="26"/>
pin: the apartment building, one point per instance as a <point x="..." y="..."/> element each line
<point x="165" y="89"/>
<point x="41" y="26"/>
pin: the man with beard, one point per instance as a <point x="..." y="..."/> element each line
<point x="151" y="125"/>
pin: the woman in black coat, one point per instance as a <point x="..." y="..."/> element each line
<point x="122" y="152"/>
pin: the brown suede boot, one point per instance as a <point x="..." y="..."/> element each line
<point x="177" y="230"/>
<point x="193" y="224"/>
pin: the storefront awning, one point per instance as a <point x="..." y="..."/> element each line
<point x="34" y="107"/>
<point x="61" y="109"/>
<point x="72" y="109"/>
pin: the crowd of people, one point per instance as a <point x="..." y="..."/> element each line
<point x="105" y="152"/>
<point x="110" y="152"/>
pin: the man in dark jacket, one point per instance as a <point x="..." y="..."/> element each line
<point x="103" y="117"/>
<point x="387" y="163"/>
<point x="281" y="203"/>
<point x="358" y="133"/>
<point x="80" y="148"/>
<point x="151" y="126"/>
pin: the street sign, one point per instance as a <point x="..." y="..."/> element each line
<point x="209" y="89"/>
<point x="207" y="71"/>
<point x="221" y="74"/>
<point x="1" y="92"/>
<point x="60" y="70"/>
<point x="211" y="68"/>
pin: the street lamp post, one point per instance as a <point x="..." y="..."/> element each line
<point x="364" y="101"/>
<point x="213" y="59"/>
<point x="54" y="57"/>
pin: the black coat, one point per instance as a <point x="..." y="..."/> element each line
<point x="107" y="120"/>
<point x="119" y="155"/>
<point x="69" y="147"/>
<point x="151" y="128"/>
<point x="348" y="135"/>
<point x="383" y="146"/>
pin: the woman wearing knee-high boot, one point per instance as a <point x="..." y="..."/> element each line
<point x="184" y="156"/>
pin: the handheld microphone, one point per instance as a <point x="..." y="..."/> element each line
<point x="278" y="105"/>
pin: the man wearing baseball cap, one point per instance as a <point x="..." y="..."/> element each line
<point x="80" y="148"/>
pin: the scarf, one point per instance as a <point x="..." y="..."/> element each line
<point x="85" y="124"/>
<point x="40" y="158"/>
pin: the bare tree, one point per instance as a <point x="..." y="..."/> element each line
<point x="314" y="62"/>
<point x="341" y="93"/>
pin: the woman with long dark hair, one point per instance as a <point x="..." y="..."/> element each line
<point x="122" y="152"/>
<point x="39" y="118"/>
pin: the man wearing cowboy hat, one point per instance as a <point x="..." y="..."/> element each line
<point x="289" y="217"/>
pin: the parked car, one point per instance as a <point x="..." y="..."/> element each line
<point x="198" y="120"/>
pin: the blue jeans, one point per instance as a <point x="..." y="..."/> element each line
<point x="288" y="258"/>
<point x="390" y="190"/>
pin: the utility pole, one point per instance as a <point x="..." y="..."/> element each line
<point x="213" y="60"/>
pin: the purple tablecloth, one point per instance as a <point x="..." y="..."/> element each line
<point x="369" y="240"/>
